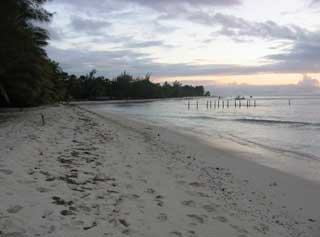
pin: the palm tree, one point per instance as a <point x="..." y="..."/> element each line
<point x="22" y="57"/>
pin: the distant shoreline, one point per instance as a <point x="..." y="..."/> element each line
<point x="84" y="102"/>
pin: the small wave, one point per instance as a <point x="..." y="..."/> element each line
<point x="250" y="120"/>
<point x="270" y="121"/>
<point x="191" y="117"/>
<point x="281" y="149"/>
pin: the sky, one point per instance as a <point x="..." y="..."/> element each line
<point x="211" y="42"/>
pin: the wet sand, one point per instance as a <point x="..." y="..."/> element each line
<point x="88" y="174"/>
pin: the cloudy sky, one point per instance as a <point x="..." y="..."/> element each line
<point x="263" y="42"/>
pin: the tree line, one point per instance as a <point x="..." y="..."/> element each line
<point x="124" y="86"/>
<point x="28" y="77"/>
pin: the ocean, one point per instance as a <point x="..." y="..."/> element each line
<point x="287" y="126"/>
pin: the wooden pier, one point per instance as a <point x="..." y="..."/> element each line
<point x="229" y="103"/>
<point x="220" y="103"/>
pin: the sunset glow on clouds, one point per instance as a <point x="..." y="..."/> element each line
<point x="224" y="41"/>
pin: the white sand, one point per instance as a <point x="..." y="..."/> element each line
<point x="84" y="174"/>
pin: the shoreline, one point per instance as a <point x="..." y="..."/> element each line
<point x="285" y="161"/>
<point x="85" y="173"/>
<point x="234" y="156"/>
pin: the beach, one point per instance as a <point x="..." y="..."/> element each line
<point x="84" y="173"/>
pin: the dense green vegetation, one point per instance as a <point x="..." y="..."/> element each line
<point x="123" y="87"/>
<point x="28" y="77"/>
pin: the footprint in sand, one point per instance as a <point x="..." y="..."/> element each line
<point x="197" y="184"/>
<point x="6" y="171"/>
<point x="94" y="224"/>
<point x="262" y="228"/>
<point x="198" y="219"/>
<point x="131" y="196"/>
<point x="159" y="200"/>
<point x="189" y="203"/>
<point x="142" y="180"/>
<point x="13" y="234"/>
<point x="43" y="190"/>
<point x="150" y="191"/>
<point x="221" y="219"/>
<point x="240" y="230"/>
<point x="209" y="208"/>
<point x="52" y="229"/>
<point x="66" y="213"/>
<point x="47" y="213"/>
<point x="176" y="234"/>
<point x="198" y="194"/>
<point x="60" y="201"/>
<point x="162" y="217"/>
<point x="191" y="233"/>
<point x="14" y="209"/>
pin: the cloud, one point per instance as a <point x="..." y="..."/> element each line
<point x="135" y="29"/>
<point x="88" y="25"/>
<point x="101" y="6"/>
<point x="175" y="4"/>
<point x="302" y="57"/>
<point x="191" y="2"/>
<point x="110" y="63"/>
<point x="314" y="2"/>
<point x="145" y="44"/>
<point x="155" y="4"/>
<point x="227" y="25"/>
<point x="55" y="33"/>
<point x="163" y="29"/>
<point x="309" y="82"/>
<point x="306" y="52"/>
<point x="307" y="86"/>
<point x="127" y="42"/>
<point x="238" y="28"/>
<point x="254" y="90"/>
